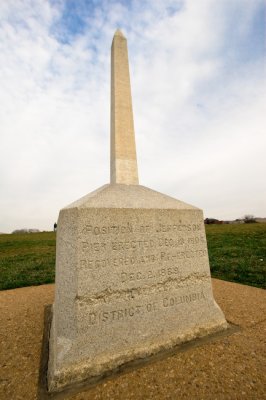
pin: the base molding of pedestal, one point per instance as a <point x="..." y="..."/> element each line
<point x="44" y="394"/>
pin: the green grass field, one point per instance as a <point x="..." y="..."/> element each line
<point x="237" y="253"/>
<point x="27" y="259"/>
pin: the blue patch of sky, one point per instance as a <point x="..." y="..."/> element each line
<point x="248" y="46"/>
<point x="254" y="45"/>
<point x="73" y="19"/>
<point x="175" y="7"/>
<point x="240" y="48"/>
<point x="75" y="15"/>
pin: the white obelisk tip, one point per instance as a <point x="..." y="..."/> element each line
<point x="119" y="33"/>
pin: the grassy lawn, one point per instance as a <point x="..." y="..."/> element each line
<point x="237" y="253"/>
<point x="27" y="259"/>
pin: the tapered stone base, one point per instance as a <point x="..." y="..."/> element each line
<point x="132" y="279"/>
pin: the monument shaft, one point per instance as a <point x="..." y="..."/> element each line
<point x="124" y="168"/>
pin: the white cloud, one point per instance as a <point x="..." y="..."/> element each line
<point x="198" y="107"/>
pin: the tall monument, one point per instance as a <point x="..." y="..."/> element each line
<point x="132" y="269"/>
<point x="123" y="149"/>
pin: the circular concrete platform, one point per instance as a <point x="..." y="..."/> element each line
<point x="231" y="367"/>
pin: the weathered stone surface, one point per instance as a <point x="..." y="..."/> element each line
<point x="132" y="278"/>
<point x="132" y="270"/>
<point x="123" y="149"/>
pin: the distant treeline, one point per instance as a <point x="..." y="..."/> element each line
<point x="247" y="219"/>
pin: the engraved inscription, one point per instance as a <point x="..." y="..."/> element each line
<point x="110" y="229"/>
<point x="95" y="246"/>
<point x="196" y="239"/>
<point x="139" y="253"/>
<point x="98" y="317"/>
<point x="175" y="301"/>
<point x="140" y="275"/>
<point x="166" y="256"/>
<point x="138" y="310"/>
<point x="128" y="228"/>
<point x="133" y="245"/>
<point x="169" y="242"/>
<point x="178" y="228"/>
<point x="120" y="261"/>
<point x="140" y="244"/>
<point x="148" y="259"/>
<point x="143" y="229"/>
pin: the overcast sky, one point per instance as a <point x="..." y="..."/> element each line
<point x="198" y="85"/>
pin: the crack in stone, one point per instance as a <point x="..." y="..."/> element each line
<point x="108" y="294"/>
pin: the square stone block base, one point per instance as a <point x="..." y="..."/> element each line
<point x="132" y="279"/>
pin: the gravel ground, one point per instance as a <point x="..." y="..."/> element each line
<point x="232" y="367"/>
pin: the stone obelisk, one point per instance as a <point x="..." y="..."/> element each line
<point x="123" y="149"/>
<point x="132" y="268"/>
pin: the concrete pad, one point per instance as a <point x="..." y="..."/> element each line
<point x="232" y="367"/>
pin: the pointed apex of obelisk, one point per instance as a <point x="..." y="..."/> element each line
<point x="124" y="169"/>
<point x="118" y="32"/>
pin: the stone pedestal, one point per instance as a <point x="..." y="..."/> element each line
<point x="132" y="278"/>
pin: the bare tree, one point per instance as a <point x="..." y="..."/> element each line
<point x="249" y="219"/>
